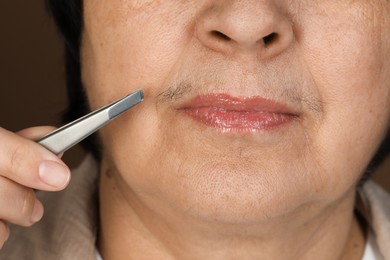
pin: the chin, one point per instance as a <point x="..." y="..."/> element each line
<point x="200" y="173"/>
<point x="241" y="196"/>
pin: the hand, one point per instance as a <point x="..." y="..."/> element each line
<point x="25" y="166"/>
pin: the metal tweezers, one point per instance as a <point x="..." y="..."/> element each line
<point x="71" y="134"/>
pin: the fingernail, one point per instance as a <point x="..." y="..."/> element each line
<point x="37" y="212"/>
<point x="54" y="174"/>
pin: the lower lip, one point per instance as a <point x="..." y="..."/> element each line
<point x="237" y="115"/>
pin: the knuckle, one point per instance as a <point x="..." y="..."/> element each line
<point x="17" y="155"/>
<point x="21" y="159"/>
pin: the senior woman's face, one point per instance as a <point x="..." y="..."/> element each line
<point x="252" y="110"/>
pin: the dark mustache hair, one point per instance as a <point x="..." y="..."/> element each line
<point x="173" y="93"/>
<point x="178" y="91"/>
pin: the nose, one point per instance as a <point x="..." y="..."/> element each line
<point x="230" y="26"/>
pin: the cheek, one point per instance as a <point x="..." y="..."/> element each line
<point x="348" y="62"/>
<point x="132" y="45"/>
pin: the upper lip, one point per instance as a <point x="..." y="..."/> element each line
<point x="226" y="102"/>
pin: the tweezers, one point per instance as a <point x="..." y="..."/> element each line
<point x="74" y="132"/>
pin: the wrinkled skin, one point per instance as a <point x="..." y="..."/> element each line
<point x="171" y="180"/>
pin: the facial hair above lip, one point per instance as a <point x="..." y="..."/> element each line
<point x="284" y="82"/>
<point x="183" y="91"/>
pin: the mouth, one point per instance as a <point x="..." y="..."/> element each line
<point x="238" y="114"/>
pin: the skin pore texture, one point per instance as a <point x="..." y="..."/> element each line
<point x="173" y="187"/>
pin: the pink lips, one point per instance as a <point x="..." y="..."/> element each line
<point x="233" y="114"/>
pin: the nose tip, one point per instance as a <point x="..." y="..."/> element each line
<point x="244" y="26"/>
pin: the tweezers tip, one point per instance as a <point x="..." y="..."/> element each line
<point x="141" y="94"/>
<point x="126" y="103"/>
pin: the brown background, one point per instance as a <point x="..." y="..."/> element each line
<point x="31" y="72"/>
<point x="31" y="69"/>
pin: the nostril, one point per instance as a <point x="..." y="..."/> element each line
<point x="270" y="38"/>
<point x="220" y="36"/>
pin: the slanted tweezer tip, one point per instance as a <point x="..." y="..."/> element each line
<point x="126" y="103"/>
<point x="138" y="94"/>
<point x="67" y="136"/>
<point x="141" y="94"/>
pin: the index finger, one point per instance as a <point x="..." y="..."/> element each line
<point x="36" y="133"/>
